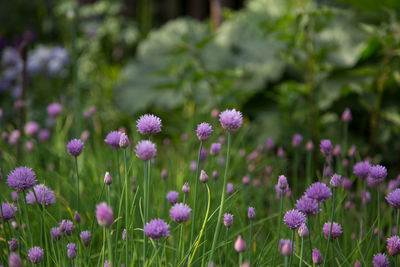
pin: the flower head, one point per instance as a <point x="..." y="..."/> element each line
<point x="107" y="178"/>
<point x="215" y="148"/>
<point x="318" y="191"/>
<point x="309" y="146"/>
<point x="285" y="247"/>
<point x="203" y="176"/>
<point x="335" y="180"/>
<point x="326" y="147"/>
<point x="307" y="206"/>
<point x="180" y="212"/>
<point x="44" y="196"/>
<point x="231" y="119"/>
<point x="393" y="245"/>
<point x="270" y="143"/>
<point x="303" y="231"/>
<point x="54" y="109"/>
<point x="13" y="244"/>
<point x="172" y="196"/>
<point x="346" y="115"/>
<point x="251" y="213"/>
<point x="336" y="230"/>
<point x="229" y="189"/>
<point x="74" y="147"/>
<point x="394" y="198"/>
<point x="112" y="139"/>
<point x="361" y="169"/>
<point x="44" y="135"/>
<point x="228" y="220"/>
<point x="148" y="124"/>
<point x="380" y="260"/>
<point x="124" y="141"/>
<point x="14" y="260"/>
<point x="316" y="257"/>
<point x="35" y="254"/>
<point x="8" y="211"/>
<point x="21" y="178"/>
<point x="55" y="233"/>
<point x="31" y="128"/>
<point x="67" y="226"/>
<point x="240" y="245"/>
<point x="378" y="172"/>
<point x="71" y="251"/>
<point x="104" y="215"/>
<point x="294" y="218"/>
<point x="146" y="150"/>
<point x="186" y="188"/>
<point x="86" y="237"/>
<point x="156" y="229"/>
<point x="296" y="140"/>
<point x="204" y="131"/>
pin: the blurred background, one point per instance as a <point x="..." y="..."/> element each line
<point x="291" y="66"/>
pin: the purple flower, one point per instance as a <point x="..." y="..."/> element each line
<point x="336" y="230"/>
<point x="55" y="233"/>
<point x="54" y="109"/>
<point x="35" y="254"/>
<point x="229" y="189"/>
<point x="240" y="245"/>
<point x="8" y="211"/>
<point x="156" y="229"/>
<point x="86" y="237"/>
<point x="231" y="119"/>
<point x="148" y="124"/>
<point x="164" y="174"/>
<point x="14" y="137"/>
<point x="104" y="215"/>
<point x="294" y="218"/>
<point x="186" y="188"/>
<point x="124" y="141"/>
<point x="107" y="178"/>
<point x="77" y="217"/>
<point x="365" y="196"/>
<point x="203" y="176"/>
<point x="44" y="135"/>
<point x="380" y="260"/>
<point x="296" y="140"/>
<point x="352" y="151"/>
<point x="124" y="235"/>
<point x="281" y="152"/>
<point x="13" y="244"/>
<point x="47" y="197"/>
<point x="251" y="213"/>
<point x="393" y="245"/>
<point x="215" y="148"/>
<point x="21" y="178"/>
<point x="14" y="195"/>
<point x="112" y="139"/>
<point x="107" y="263"/>
<point x="309" y="146"/>
<point x="146" y="150"/>
<point x="361" y="169"/>
<point x="246" y="180"/>
<point x="71" y="251"/>
<point x="326" y="147"/>
<point x="193" y="166"/>
<point x="180" y="212"/>
<point x="172" y="196"/>
<point x="393" y="198"/>
<point x="228" y="220"/>
<point x="316" y="257"/>
<point x="346" y="183"/>
<point x="303" y="231"/>
<point x="357" y="263"/>
<point x="318" y="191"/>
<point x="215" y="175"/>
<point x="204" y="131"/>
<point x="74" y="147"/>
<point x="346" y="115"/>
<point x="67" y="226"/>
<point x="282" y="182"/>
<point x="307" y="206"/>
<point x="335" y="180"/>
<point x="203" y="154"/>
<point x="31" y="128"/>
<point x="285" y="247"/>
<point x="14" y="260"/>
<point x="337" y="151"/>
<point x="378" y="172"/>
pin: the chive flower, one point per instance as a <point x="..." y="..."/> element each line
<point x="380" y="260"/>
<point x="71" y="251"/>
<point x="203" y="131"/>
<point x="228" y="220"/>
<point x="335" y="180"/>
<point x="86" y="237"/>
<point x="8" y="211"/>
<point x="54" y="109"/>
<point x="14" y="260"/>
<point x="180" y="212"/>
<point x="35" y="254"/>
<point x="44" y="196"/>
<point x="393" y="245"/>
<point x="231" y="119"/>
<point x="156" y="229"/>
<point x="113" y="139"/>
<point x="336" y="230"/>
<point x="13" y="244"/>
<point x="294" y="219"/>
<point x="146" y="150"/>
<point x="361" y="169"/>
<point x="393" y="198"/>
<point x="318" y="191"/>
<point x="240" y="244"/>
<point x="21" y="178"/>
<point x="75" y="147"/>
<point x="104" y="215"/>
<point x="67" y="226"/>
<point x="296" y="140"/>
<point x="326" y="147"/>
<point x="55" y="234"/>
<point x="251" y="213"/>
<point x="307" y="206"/>
<point x="148" y="124"/>
<point x="317" y="257"/>
<point x="215" y="148"/>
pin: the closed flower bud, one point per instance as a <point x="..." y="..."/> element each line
<point x="203" y="176"/>
<point x="107" y="178"/>
<point x="240" y="245"/>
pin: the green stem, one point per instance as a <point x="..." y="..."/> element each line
<point x="286" y="261"/>
<point x="301" y="252"/>
<point x="221" y="206"/>
<point x="77" y="185"/>
<point x="397" y="220"/>
<point x="251" y="241"/>
<point x="109" y="247"/>
<point x="126" y="209"/>
<point x="279" y="228"/>
<point x="195" y="191"/>
<point x="240" y="259"/>
<point x="26" y="219"/>
<point x="330" y="229"/>
<point x="292" y="245"/>
<point x="379" y="218"/>
<point x="145" y="197"/>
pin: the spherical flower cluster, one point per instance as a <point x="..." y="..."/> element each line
<point x="337" y="150"/>
<point x="86" y="237"/>
<point x="231" y="119"/>
<point x="286" y="247"/>
<point x="251" y="213"/>
<point x="14" y="260"/>
<point x="307" y="206"/>
<point x="294" y="218"/>
<point x="316" y="257"/>
<point x="54" y="109"/>
<point x="361" y="169"/>
<point x="42" y="194"/>
<point x="393" y="245"/>
<point x="71" y="251"/>
<point x="172" y="196"/>
<point x="215" y="148"/>
<point x="228" y="220"/>
<point x="393" y="198"/>
<point x="204" y="131"/>
<point x="378" y="172"/>
<point x="336" y="230"/>
<point x="31" y="128"/>
<point x="67" y="226"/>
<point x="296" y="140"/>
<point x="335" y="180"/>
<point x="146" y="150"/>
<point x="180" y="212"/>
<point x="112" y="139"/>
<point x="104" y="215"/>
<point x="44" y="135"/>
<point x="229" y="189"/>
<point x="55" y="233"/>
<point x="35" y="254"/>
<point x="326" y="147"/>
<point x="380" y="260"/>
<point x="74" y="147"/>
<point x="21" y="178"/>
<point x="240" y="244"/>
<point x="148" y="124"/>
<point x="309" y="146"/>
<point x="156" y="229"/>
<point x="8" y="211"/>
<point x="124" y="141"/>
<point x="318" y="191"/>
<point x="13" y="244"/>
